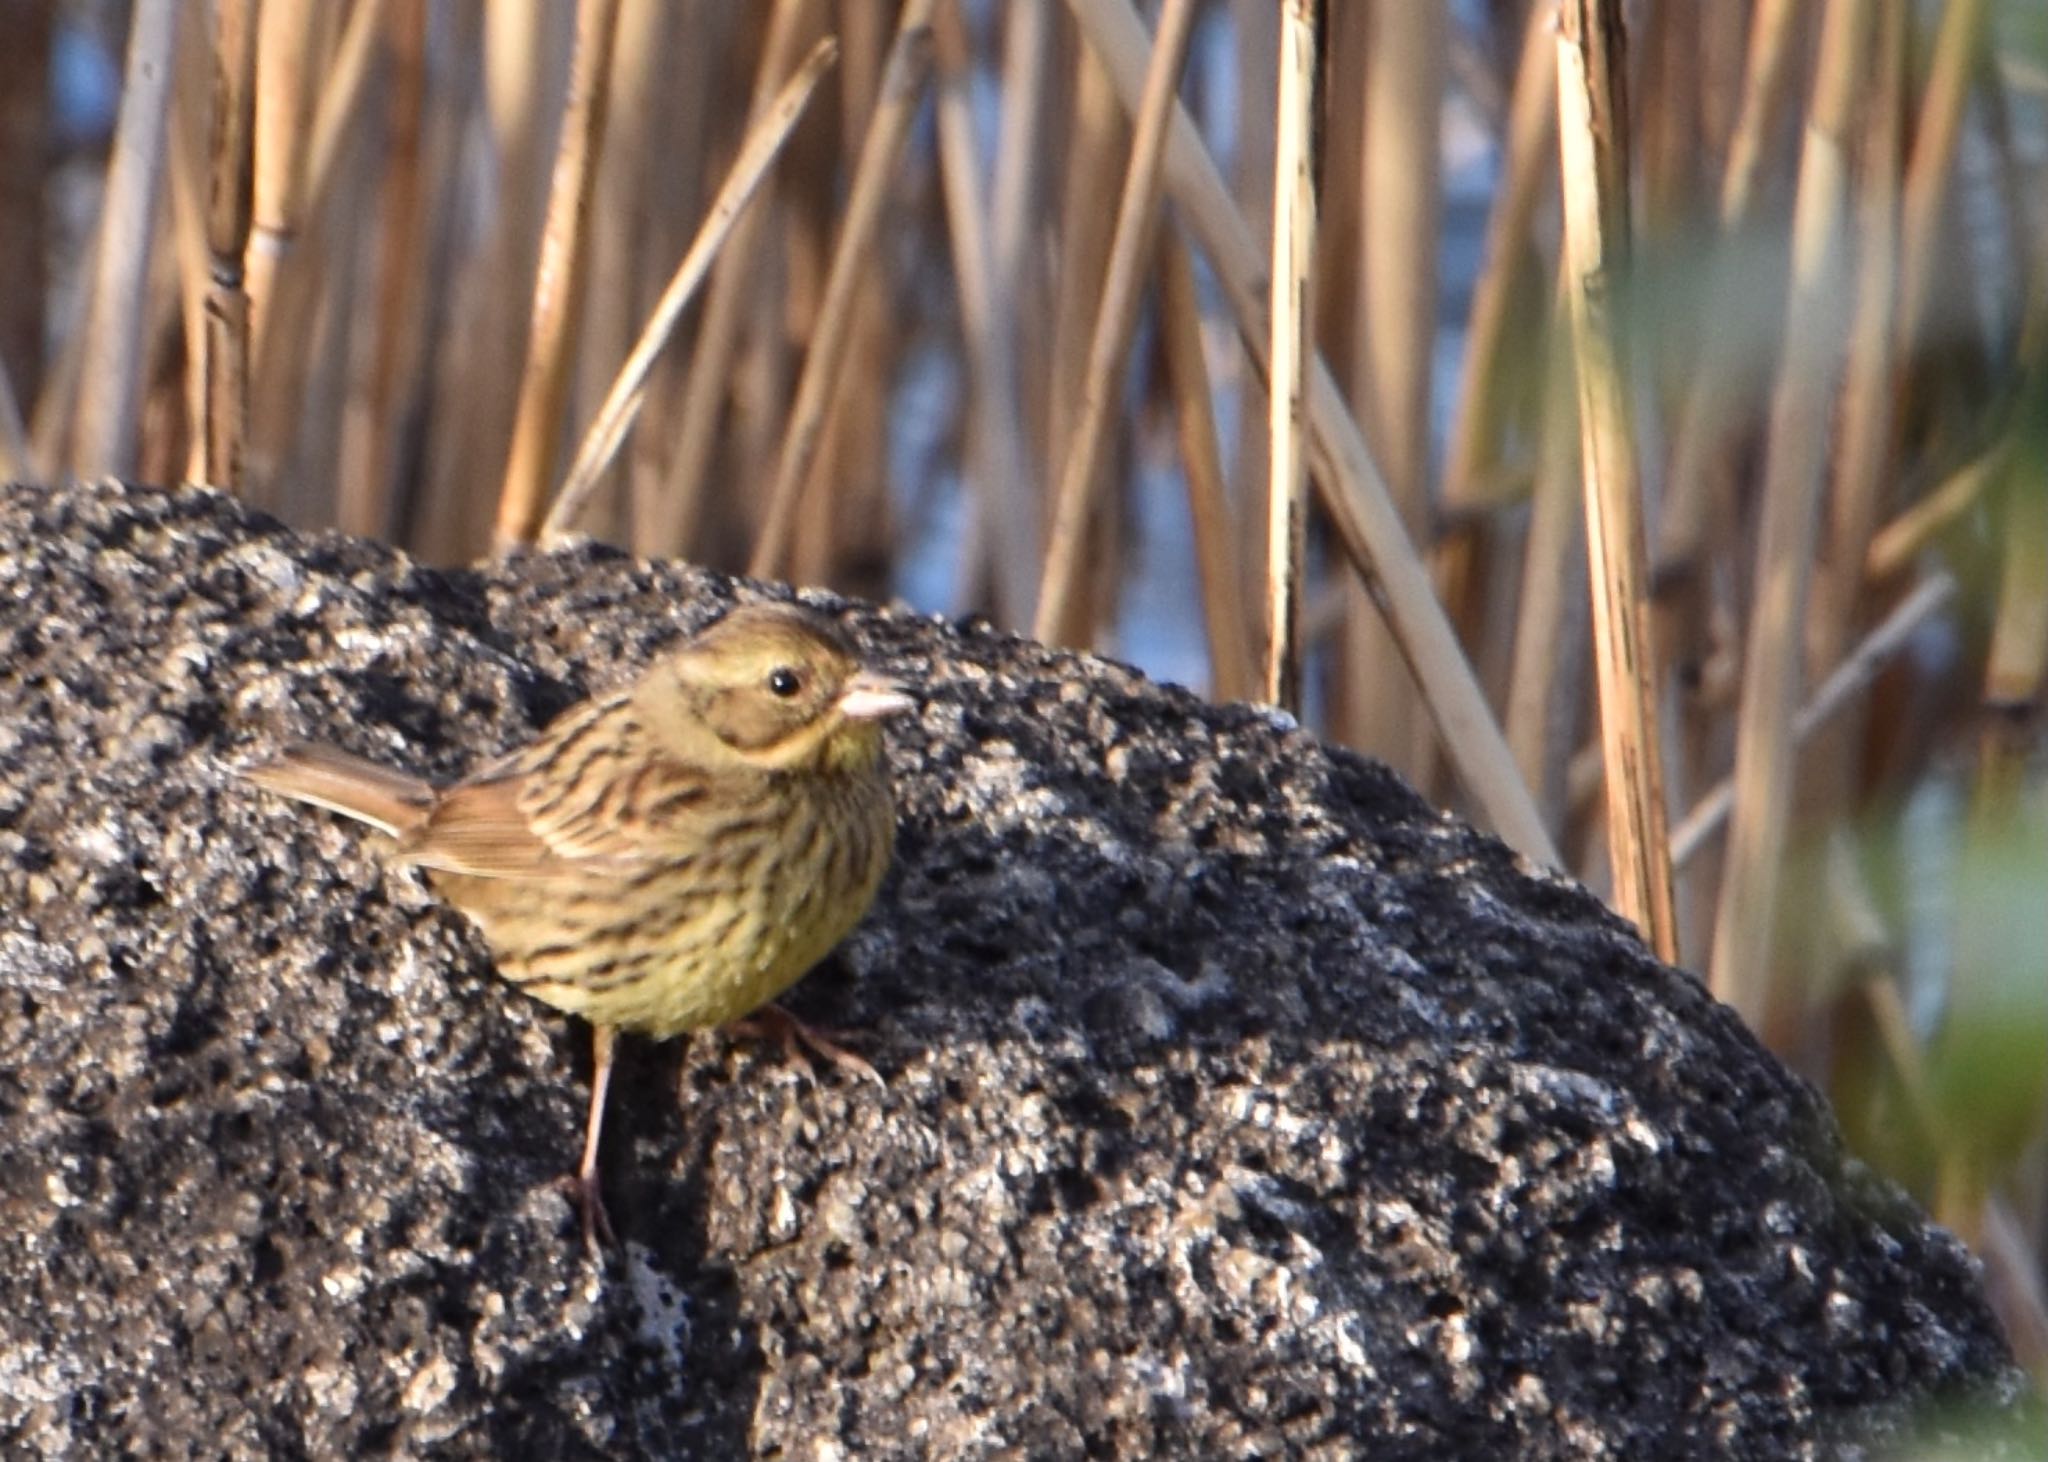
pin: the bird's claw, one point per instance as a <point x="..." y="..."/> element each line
<point x="802" y="1041"/>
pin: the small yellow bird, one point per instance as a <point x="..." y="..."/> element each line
<point x="665" y="858"/>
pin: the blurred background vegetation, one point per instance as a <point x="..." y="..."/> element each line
<point x="996" y="337"/>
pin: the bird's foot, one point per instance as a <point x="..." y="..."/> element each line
<point x="585" y="1193"/>
<point x="801" y="1041"/>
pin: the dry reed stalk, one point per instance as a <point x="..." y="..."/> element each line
<point x="103" y="441"/>
<point x="1745" y="925"/>
<point x="903" y="78"/>
<point x="1096" y="154"/>
<point x="1256" y="26"/>
<point x="1393" y="338"/>
<point x="482" y="350"/>
<point x="1468" y="559"/>
<point x="2018" y="654"/>
<point x="1527" y="170"/>
<point x="1670" y="124"/>
<point x="763" y="144"/>
<point x="1017" y="275"/>
<point x="1935" y="135"/>
<point x="1840" y="692"/>
<point x="849" y="528"/>
<point x="1553" y="623"/>
<point x="2012" y="1281"/>
<point x="1725" y="32"/>
<point x="559" y="281"/>
<point x="287" y="48"/>
<point x="386" y="366"/>
<point x="1894" y="547"/>
<point x="1074" y="500"/>
<point x="631" y="202"/>
<point x="1696" y="484"/>
<point x="1994" y="1011"/>
<point x="1003" y="536"/>
<point x="1027" y="40"/>
<point x="1863" y="446"/>
<point x="698" y="100"/>
<point x="25" y="210"/>
<point x="2011" y="183"/>
<point x="1290" y="319"/>
<point x="56" y="406"/>
<point x="668" y="522"/>
<point x="1233" y="669"/>
<point x="189" y="268"/>
<point x="1593" y="139"/>
<point x="282" y="330"/>
<point x="1344" y="474"/>
<point x="16" y="464"/>
<point x="848" y="535"/>
<point x="231" y="139"/>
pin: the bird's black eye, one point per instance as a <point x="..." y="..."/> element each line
<point x="783" y="681"/>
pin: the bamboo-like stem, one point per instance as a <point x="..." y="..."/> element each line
<point x="1745" y="921"/>
<point x="224" y="415"/>
<point x="285" y="41"/>
<point x="1526" y="174"/>
<point x="764" y="143"/>
<point x="1400" y="176"/>
<point x="386" y="381"/>
<point x="1255" y="27"/>
<point x="559" y="279"/>
<point x="1393" y="336"/>
<point x="1000" y="459"/>
<point x="1593" y="139"/>
<point x="1843" y="687"/>
<point x="1233" y="672"/>
<point x="286" y="244"/>
<point x="1116" y="318"/>
<point x="903" y="77"/>
<point x="1346" y="479"/>
<point x="190" y="252"/>
<point x="110" y="373"/>
<point x="668" y="523"/>
<point x="1292" y="325"/>
<point x="1097" y="153"/>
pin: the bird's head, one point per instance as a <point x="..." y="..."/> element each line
<point x="775" y="687"/>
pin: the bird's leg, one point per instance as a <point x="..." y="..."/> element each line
<point x="596" y="1221"/>
<point x="772" y="1022"/>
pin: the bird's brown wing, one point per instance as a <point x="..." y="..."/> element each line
<point x="553" y="810"/>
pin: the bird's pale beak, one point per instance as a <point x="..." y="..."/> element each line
<point x="870" y="697"/>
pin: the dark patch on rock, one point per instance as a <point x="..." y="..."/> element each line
<point x="1238" y="1104"/>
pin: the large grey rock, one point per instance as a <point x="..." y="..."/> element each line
<point x="1237" y="1104"/>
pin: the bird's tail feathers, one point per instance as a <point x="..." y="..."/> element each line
<point x="326" y="776"/>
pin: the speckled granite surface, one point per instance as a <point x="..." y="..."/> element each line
<point x="1237" y="1105"/>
